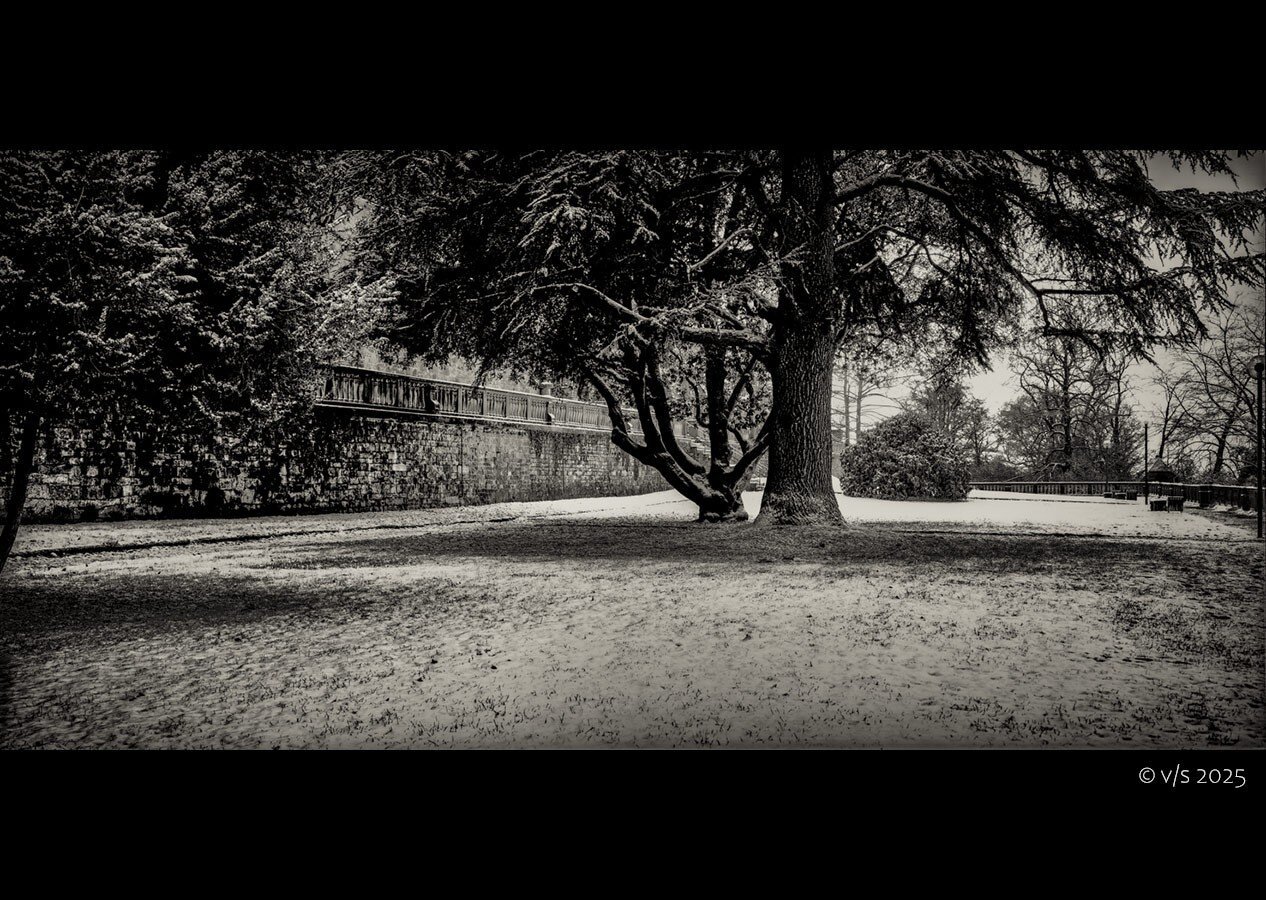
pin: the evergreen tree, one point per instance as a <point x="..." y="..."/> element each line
<point x="91" y="309"/>
<point x="594" y="263"/>
<point x="191" y="292"/>
<point x="905" y="457"/>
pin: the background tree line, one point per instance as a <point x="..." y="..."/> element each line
<point x="1080" y="414"/>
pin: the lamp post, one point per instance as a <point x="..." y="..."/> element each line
<point x="1257" y="364"/>
<point x="1147" y="465"/>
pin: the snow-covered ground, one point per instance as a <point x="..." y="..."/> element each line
<point x="620" y="622"/>
<point x="81" y="536"/>
<point x="983" y="510"/>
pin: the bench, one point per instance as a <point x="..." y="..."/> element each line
<point x="1159" y="505"/>
<point x="1176" y="503"/>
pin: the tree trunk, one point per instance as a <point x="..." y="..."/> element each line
<point x="860" y="387"/>
<point x="724" y="504"/>
<point x="6" y="448"/>
<point x="714" y="489"/>
<point x="718" y="414"/>
<point x="848" y="406"/>
<point x="798" y="487"/>
<point x="21" y="478"/>
<point x="725" y="501"/>
<point x="1219" y="458"/>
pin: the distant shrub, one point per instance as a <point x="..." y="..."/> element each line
<point x="905" y="458"/>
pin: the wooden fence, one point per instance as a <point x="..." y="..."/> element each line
<point x="349" y="387"/>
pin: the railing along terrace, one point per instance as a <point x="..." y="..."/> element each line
<point x="348" y="386"/>
<point x="1243" y="496"/>
<point x="1061" y="488"/>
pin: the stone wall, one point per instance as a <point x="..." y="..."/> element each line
<point x="335" y="461"/>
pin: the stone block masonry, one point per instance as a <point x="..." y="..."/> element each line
<point x="334" y="461"/>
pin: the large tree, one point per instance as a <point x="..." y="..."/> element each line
<point x="609" y="269"/>
<point x="598" y="261"/>
<point x="951" y="407"/>
<point x="261" y="264"/>
<point x="1085" y="239"/>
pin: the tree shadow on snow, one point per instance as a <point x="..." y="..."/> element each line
<point x="750" y="547"/>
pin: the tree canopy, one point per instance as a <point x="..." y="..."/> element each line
<point x="183" y="290"/>
<point x="1073" y="419"/>
<point x="597" y="265"/>
<point x="1208" y="415"/>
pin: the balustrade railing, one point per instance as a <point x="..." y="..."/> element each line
<point x="347" y="386"/>
<point x="1061" y="488"/>
<point x="1243" y="496"/>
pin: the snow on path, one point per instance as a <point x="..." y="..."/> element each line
<point x="985" y="510"/>
<point x="81" y="536"/>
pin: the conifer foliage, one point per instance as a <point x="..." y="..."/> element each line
<point x="593" y="265"/>
<point x="192" y="292"/>
<point x="905" y="457"/>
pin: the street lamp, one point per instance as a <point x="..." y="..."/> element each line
<point x="1147" y="467"/>
<point x="1256" y="364"/>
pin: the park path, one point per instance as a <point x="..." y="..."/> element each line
<point x="141" y="534"/>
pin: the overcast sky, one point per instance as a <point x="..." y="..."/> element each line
<point x="998" y="386"/>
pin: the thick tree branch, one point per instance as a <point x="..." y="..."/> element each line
<point x="697" y="335"/>
<point x="744" y="378"/>
<point x="619" y="424"/>
<point x="658" y="398"/>
<point x="696" y="266"/>
<point x="758" y="446"/>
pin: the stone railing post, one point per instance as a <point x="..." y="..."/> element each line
<point x="547" y="391"/>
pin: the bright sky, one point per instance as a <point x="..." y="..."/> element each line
<point x="998" y="386"/>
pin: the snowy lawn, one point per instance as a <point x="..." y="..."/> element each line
<point x="982" y="511"/>
<point x="618" y="622"/>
